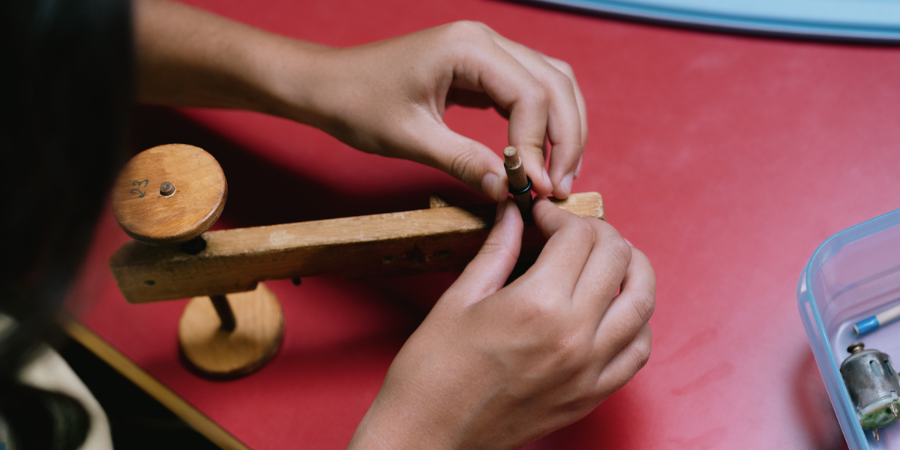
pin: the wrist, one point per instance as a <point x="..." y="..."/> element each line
<point x="290" y="77"/>
<point x="393" y="427"/>
<point x="425" y="403"/>
<point x="330" y="89"/>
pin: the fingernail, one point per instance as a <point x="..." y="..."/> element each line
<point x="629" y="242"/>
<point x="501" y="208"/>
<point x="547" y="179"/>
<point x="578" y="168"/>
<point x="566" y="184"/>
<point x="490" y="185"/>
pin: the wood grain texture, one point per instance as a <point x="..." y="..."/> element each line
<point x="403" y="243"/>
<point x="437" y="201"/>
<point x="219" y="353"/>
<point x="156" y="219"/>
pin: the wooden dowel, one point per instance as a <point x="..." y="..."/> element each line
<point x="519" y="184"/>
<point x="403" y="243"/>
<point x="224" y="311"/>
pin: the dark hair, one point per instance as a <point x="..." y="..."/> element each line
<point x="65" y="94"/>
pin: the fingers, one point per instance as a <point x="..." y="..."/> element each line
<point x="466" y="160"/>
<point x="570" y="239"/>
<point x="565" y="68"/>
<point x="508" y="83"/>
<point x="493" y="264"/>
<point x="604" y="271"/>
<point x="543" y="101"/>
<point x="626" y="363"/>
<point x="560" y="162"/>
<point x="566" y="118"/>
<point x="630" y="310"/>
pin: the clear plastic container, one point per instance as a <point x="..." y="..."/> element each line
<point x="851" y="276"/>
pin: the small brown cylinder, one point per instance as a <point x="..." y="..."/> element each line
<point x="519" y="183"/>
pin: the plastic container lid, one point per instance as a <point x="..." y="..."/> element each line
<point x="872" y="20"/>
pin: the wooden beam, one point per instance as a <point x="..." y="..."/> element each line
<point x="402" y="243"/>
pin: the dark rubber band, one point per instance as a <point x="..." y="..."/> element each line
<point x="524" y="189"/>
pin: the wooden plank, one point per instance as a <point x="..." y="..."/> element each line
<point x="193" y="417"/>
<point x="402" y="243"/>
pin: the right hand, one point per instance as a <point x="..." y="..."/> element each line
<point x="497" y="367"/>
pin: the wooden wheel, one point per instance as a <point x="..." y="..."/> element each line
<point x="218" y="353"/>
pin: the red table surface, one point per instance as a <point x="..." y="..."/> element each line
<point x="727" y="159"/>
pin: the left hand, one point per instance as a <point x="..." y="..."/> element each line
<point x="389" y="98"/>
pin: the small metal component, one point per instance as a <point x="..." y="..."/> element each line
<point x="166" y="189"/>
<point x="856" y="347"/>
<point x="873" y="385"/>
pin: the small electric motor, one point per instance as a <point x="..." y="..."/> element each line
<point x="874" y="387"/>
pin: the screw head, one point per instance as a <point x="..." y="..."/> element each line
<point x="166" y="188"/>
<point x="856" y="347"/>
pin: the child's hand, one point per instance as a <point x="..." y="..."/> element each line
<point x="497" y="367"/>
<point x="389" y="98"/>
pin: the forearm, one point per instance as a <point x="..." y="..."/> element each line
<point x="398" y="429"/>
<point x="386" y="97"/>
<point x="189" y="57"/>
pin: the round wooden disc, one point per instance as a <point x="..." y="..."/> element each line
<point x="149" y="216"/>
<point x="227" y="354"/>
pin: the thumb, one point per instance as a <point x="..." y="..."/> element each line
<point x="468" y="161"/>
<point x="493" y="264"/>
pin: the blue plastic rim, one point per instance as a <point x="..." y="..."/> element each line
<point x="870" y="20"/>
<point x="828" y="367"/>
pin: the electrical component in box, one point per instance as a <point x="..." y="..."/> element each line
<point x="873" y="385"/>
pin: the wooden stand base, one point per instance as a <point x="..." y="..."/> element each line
<point x="218" y="353"/>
